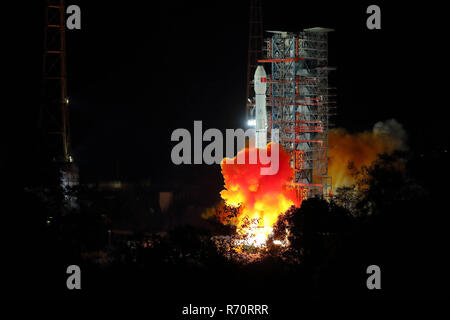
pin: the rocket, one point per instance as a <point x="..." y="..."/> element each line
<point x="260" y="81"/>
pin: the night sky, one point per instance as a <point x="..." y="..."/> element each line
<point x="137" y="70"/>
<point x="135" y="73"/>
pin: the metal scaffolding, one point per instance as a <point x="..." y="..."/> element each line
<point x="299" y="102"/>
<point x="54" y="117"/>
<point x="54" y="111"/>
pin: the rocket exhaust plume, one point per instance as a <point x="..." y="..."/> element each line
<point x="260" y="198"/>
<point x="349" y="152"/>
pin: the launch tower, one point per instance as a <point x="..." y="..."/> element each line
<point x="54" y="110"/>
<point x="299" y="103"/>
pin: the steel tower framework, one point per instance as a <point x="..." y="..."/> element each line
<point x="54" y="107"/>
<point x="299" y="103"/>
<point x="54" y="113"/>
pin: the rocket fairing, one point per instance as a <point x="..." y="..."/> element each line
<point x="260" y="81"/>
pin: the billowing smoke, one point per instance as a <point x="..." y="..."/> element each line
<point x="259" y="198"/>
<point x="393" y="131"/>
<point x="253" y="201"/>
<point x="349" y="152"/>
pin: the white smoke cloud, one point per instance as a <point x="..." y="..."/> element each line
<point x="394" y="131"/>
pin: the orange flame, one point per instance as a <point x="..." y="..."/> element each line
<point x="262" y="197"/>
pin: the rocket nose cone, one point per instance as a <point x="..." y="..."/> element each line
<point x="260" y="72"/>
<point x="260" y="80"/>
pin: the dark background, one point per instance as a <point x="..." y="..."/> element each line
<point x="136" y="72"/>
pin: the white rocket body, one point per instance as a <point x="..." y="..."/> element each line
<point x="260" y="81"/>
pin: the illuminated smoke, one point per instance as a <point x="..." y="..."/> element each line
<point x="349" y="152"/>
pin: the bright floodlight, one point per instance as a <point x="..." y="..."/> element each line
<point x="251" y="122"/>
